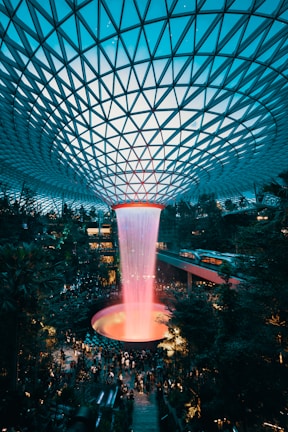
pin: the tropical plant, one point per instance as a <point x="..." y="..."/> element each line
<point x="28" y="275"/>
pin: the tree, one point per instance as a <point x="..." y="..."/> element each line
<point x="245" y="351"/>
<point x="239" y="336"/>
<point x="252" y="327"/>
<point x="28" y="274"/>
<point x="72" y="311"/>
<point x="194" y="316"/>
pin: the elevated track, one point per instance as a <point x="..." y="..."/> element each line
<point x="201" y="271"/>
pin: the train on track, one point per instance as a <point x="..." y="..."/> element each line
<point x="210" y="258"/>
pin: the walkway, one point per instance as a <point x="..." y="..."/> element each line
<point x="145" y="411"/>
<point x="145" y="414"/>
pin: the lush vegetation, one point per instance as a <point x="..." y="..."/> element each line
<point x="237" y="340"/>
<point x="232" y="360"/>
<point x="39" y="255"/>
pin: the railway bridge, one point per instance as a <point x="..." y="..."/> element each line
<point x="191" y="269"/>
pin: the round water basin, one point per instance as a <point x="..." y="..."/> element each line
<point x="111" y="323"/>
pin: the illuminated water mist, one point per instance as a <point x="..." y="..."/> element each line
<point x="138" y="318"/>
<point x="138" y="233"/>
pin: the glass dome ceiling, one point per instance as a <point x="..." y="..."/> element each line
<point x="113" y="101"/>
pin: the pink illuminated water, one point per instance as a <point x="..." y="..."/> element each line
<point x="111" y="322"/>
<point x="138" y="232"/>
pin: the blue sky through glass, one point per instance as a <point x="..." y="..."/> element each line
<point x="127" y="100"/>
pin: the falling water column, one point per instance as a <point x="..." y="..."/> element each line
<point x="138" y="225"/>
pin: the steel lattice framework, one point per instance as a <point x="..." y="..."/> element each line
<point x="113" y="101"/>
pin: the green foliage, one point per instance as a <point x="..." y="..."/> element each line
<point x="203" y="219"/>
<point x="25" y="273"/>
<point x="28" y="276"/>
<point x="238" y="339"/>
<point x="225" y="271"/>
<point x="195" y="317"/>
<point x="72" y="313"/>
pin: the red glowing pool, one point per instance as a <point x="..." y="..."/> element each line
<point x="111" y="322"/>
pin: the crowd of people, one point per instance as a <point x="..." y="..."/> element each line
<point x="113" y="364"/>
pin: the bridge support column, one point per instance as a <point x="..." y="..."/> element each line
<point x="189" y="282"/>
